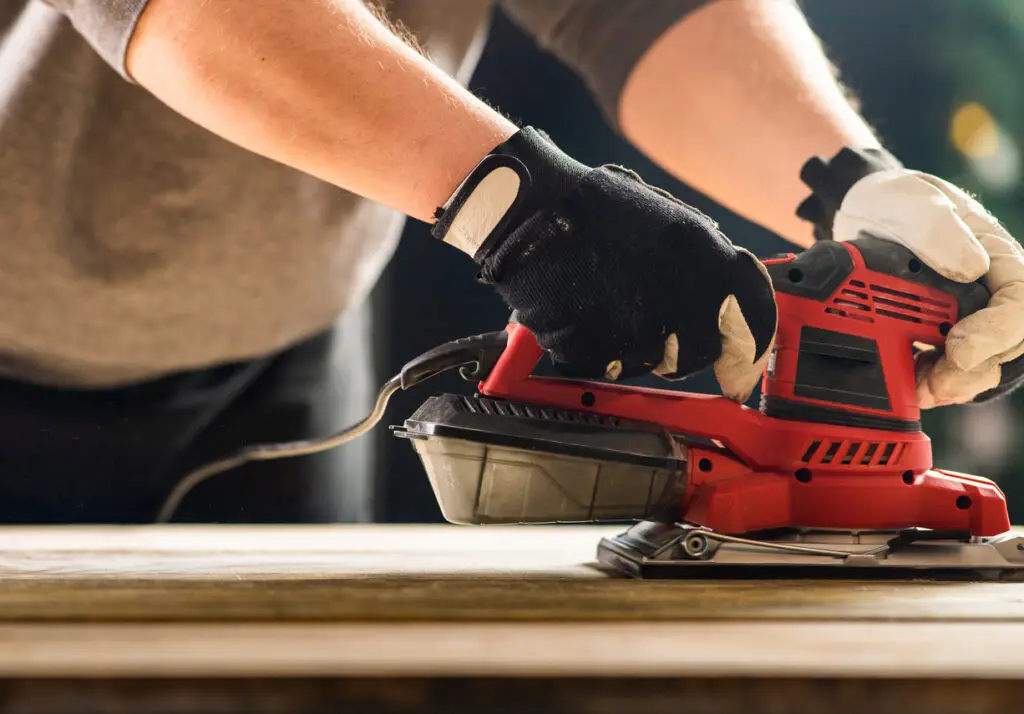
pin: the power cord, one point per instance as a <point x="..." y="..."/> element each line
<point x="480" y="350"/>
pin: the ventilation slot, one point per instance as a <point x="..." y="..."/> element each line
<point x="851" y="452"/>
<point x="810" y="451"/>
<point x="870" y="453"/>
<point x="851" y="315"/>
<point x="851" y="303"/>
<point x="886" y="454"/>
<point x="830" y="454"/>
<point x="910" y="296"/>
<point x="909" y="307"/>
<point x="916" y="317"/>
<point x="899" y="316"/>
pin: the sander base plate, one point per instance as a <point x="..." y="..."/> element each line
<point x="658" y="550"/>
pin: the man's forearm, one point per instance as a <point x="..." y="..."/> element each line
<point x="733" y="100"/>
<point x="321" y="86"/>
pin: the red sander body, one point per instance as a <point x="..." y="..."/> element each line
<point x="832" y="471"/>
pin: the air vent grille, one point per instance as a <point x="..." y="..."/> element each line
<point x="853" y="453"/>
<point x="858" y="301"/>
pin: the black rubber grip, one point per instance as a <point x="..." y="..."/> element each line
<point x="482" y="351"/>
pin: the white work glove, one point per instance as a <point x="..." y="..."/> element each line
<point x="869" y="192"/>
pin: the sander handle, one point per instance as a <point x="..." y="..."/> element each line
<point x="852" y="317"/>
<point x="818" y="271"/>
<point x="886" y="256"/>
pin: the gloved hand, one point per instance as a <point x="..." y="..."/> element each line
<point x="870" y="192"/>
<point x="615" y="278"/>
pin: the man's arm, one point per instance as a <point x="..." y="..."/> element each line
<point x="740" y="101"/>
<point x="320" y="85"/>
<point x="323" y="86"/>
<point x="730" y="96"/>
<point x="733" y="100"/>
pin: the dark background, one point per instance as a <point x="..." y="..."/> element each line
<point x="912" y="63"/>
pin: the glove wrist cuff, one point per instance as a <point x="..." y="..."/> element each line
<point x="506" y="187"/>
<point x="831" y="180"/>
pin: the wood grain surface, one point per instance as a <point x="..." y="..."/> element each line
<point x="988" y="651"/>
<point x="443" y="618"/>
<point x="403" y="573"/>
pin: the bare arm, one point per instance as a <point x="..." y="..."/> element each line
<point x="322" y="86"/>
<point x="733" y="100"/>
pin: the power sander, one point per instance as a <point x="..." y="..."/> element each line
<point x="832" y="472"/>
<point x="831" y="475"/>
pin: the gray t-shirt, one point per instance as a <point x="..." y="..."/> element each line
<point x="134" y="243"/>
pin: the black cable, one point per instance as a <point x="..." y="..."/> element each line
<point x="482" y="351"/>
<point x="282" y="450"/>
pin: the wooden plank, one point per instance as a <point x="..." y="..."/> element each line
<point x="224" y="552"/>
<point x="632" y="649"/>
<point x="405" y="573"/>
<point x="441" y="618"/>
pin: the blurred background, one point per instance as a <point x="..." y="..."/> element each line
<point x="939" y="79"/>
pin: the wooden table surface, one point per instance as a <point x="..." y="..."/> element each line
<point x="421" y="602"/>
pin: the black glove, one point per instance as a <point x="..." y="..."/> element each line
<point x="614" y="277"/>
